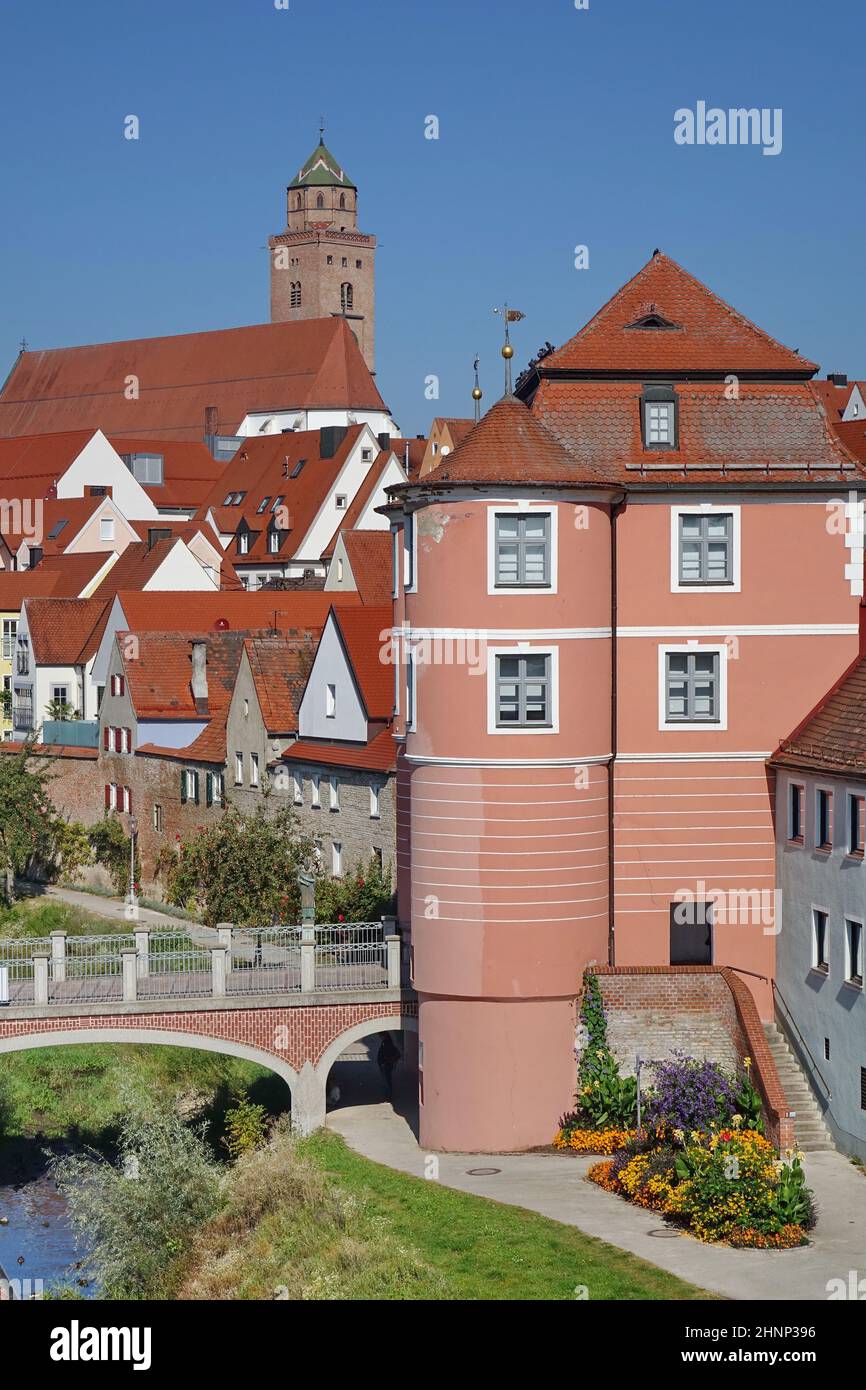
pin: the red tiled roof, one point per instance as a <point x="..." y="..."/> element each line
<point x="136" y="566"/>
<point x="364" y="631"/>
<point x="773" y="432"/>
<point x="836" y="398"/>
<point x="507" y="445"/>
<point x="379" y="755"/>
<point x="280" y="666"/>
<point x="158" y="677"/>
<point x="56" y="576"/>
<point x="853" y="435"/>
<point x="165" y="610"/>
<point x="189" y="468"/>
<point x="410" y="452"/>
<point x="705" y="333"/>
<point x="315" y="363"/>
<point x="832" y="738"/>
<point x="50" y="750"/>
<point x="370" y="556"/>
<point x="37" y="460"/>
<point x="262" y="468"/>
<point x="65" y="631"/>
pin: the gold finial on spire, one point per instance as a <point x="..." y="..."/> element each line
<point x="477" y="393"/>
<point x="508" y="316"/>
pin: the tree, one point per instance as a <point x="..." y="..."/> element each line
<point x="362" y="895"/>
<point x="61" y="710"/>
<point x="26" y="816"/>
<point x="242" y="869"/>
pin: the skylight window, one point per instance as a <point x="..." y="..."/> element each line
<point x="261" y="507"/>
<point x="297" y="468"/>
<point x="57" y="528"/>
<point x="277" y="502"/>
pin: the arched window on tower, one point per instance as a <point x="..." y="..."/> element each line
<point x="342" y="200"/>
<point x="347" y="297"/>
<point x="299" y="202"/>
<point x="295" y="299"/>
<point x="320" y="201"/>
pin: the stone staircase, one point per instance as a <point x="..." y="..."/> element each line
<point x="809" y="1127"/>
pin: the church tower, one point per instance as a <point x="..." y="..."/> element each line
<point x="321" y="265"/>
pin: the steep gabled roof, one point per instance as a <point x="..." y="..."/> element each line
<point x="364" y="631"/>
<point x="280" y="666"/>
<point x="168" y="611"/>
<point x="189" y="469"/>
<point x="665" y="320"/>
<point x="355" y="511"/>
<point x="379" y="754"/>
<point x="370" y="556"/>
<point x="65" y="631"/>
<point x="262" y="469"/>
<point x="314" y="363"/>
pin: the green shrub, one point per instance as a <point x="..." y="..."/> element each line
<point x="111" y="849"/>
<point x="246" y="1128"/>
<point x="362" y="895"/>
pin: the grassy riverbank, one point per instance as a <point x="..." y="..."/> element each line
<point x="314" y="1220"/>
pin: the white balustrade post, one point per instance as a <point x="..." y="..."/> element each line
<point x="129" y="959"/>
<point x="41" y="957"/>
<point x="308" y="960"/>
<point x="58" y="955"/>
<point x="225" y="935"/>
<point x="142" y="946"/>
<point x="393" y="946"/>
<point x="218" y="967"/>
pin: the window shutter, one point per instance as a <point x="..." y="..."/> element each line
<point x="182" y="786"/>
<point x="121" y="685"/>
<point x="106" y="738"/>
<point x="208" y="784"/>
<point x="107" y="797"/>
<point x="118" y="741"/>
<point x="195" y="787"/>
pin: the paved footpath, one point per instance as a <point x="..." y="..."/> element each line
<point x="555" y="1186"/>
<point x="114" y="909"/>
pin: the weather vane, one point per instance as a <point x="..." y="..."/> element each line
<point x="508" y="316"/>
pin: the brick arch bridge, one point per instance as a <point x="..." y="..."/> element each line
<point x="299" y="1042"/>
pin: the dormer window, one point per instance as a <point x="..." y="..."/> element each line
<point x="659" y="418"/>
<point x="243" y="542"/>
<point x="273" y="541"/>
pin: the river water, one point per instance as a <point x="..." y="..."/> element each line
<point x="38" y="1244"/>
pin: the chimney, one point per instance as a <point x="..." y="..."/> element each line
<point x="198" y="683"/>
<point x="384" y="440"/>
<point x="330" y="439"/>
<point x="838" y="378"/>
<point x="211" y="421"/>
<point x="34" y="556"/>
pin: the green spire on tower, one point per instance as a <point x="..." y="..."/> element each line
<point x="321" y="169"/>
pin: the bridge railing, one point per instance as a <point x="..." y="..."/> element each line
<point x="143" y="964"/>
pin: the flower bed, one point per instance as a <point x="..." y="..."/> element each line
<point x="593" y="1141"/>
<point x="726" y="1185"/>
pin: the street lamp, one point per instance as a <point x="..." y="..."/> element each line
<point x="133" y="831"/>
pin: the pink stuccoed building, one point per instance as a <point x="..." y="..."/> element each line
<point x="613" y="598"/>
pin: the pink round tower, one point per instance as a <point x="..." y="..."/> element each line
<point x="503" y="593"/>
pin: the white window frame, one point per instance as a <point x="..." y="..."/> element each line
<point x="341" y="501"/>
<point x="298" y="787"/>
<point x="687" y="726"/>
<point x="239" y="769"/>
<point x="396" y="551"/>
<point x="523" y="649"/>
<point x="850" y="851"/>
<point x="315" y="791"/>
<point x="858" y="922"/>
<point x="254" y="769"/>
<point x="828" y="847"/>
<point x="334" y="783"/>
<point x="375" y="797"/>
<point x="330" y="700"/>
<point x="410" y="554"/>
<point x="789" y="813"/>
<point x="337" y="858"/>
<point x="106" y="528"/>
<point x="704" y="509"/>
<point x="820" y="969"/>
<point x="411" y="689"/>
<point x="549" y="509"/>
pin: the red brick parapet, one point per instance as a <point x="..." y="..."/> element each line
<point x="681" y="985"/>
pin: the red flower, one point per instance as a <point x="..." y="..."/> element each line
<point x="726" y="1134"/>
<point x="340" y="917"/>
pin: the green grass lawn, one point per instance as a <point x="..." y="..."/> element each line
<point x="39" y="916"/>
<point x="484" y="1250"/>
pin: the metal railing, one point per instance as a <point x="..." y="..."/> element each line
<point x="351" y="955"/>
<point x="142" y="965"/>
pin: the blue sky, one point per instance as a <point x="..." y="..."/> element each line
<point x="556" y="130"/>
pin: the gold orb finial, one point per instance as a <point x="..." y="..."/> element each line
<point x="477" y="393"/>
<point x="507" y="351"/>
